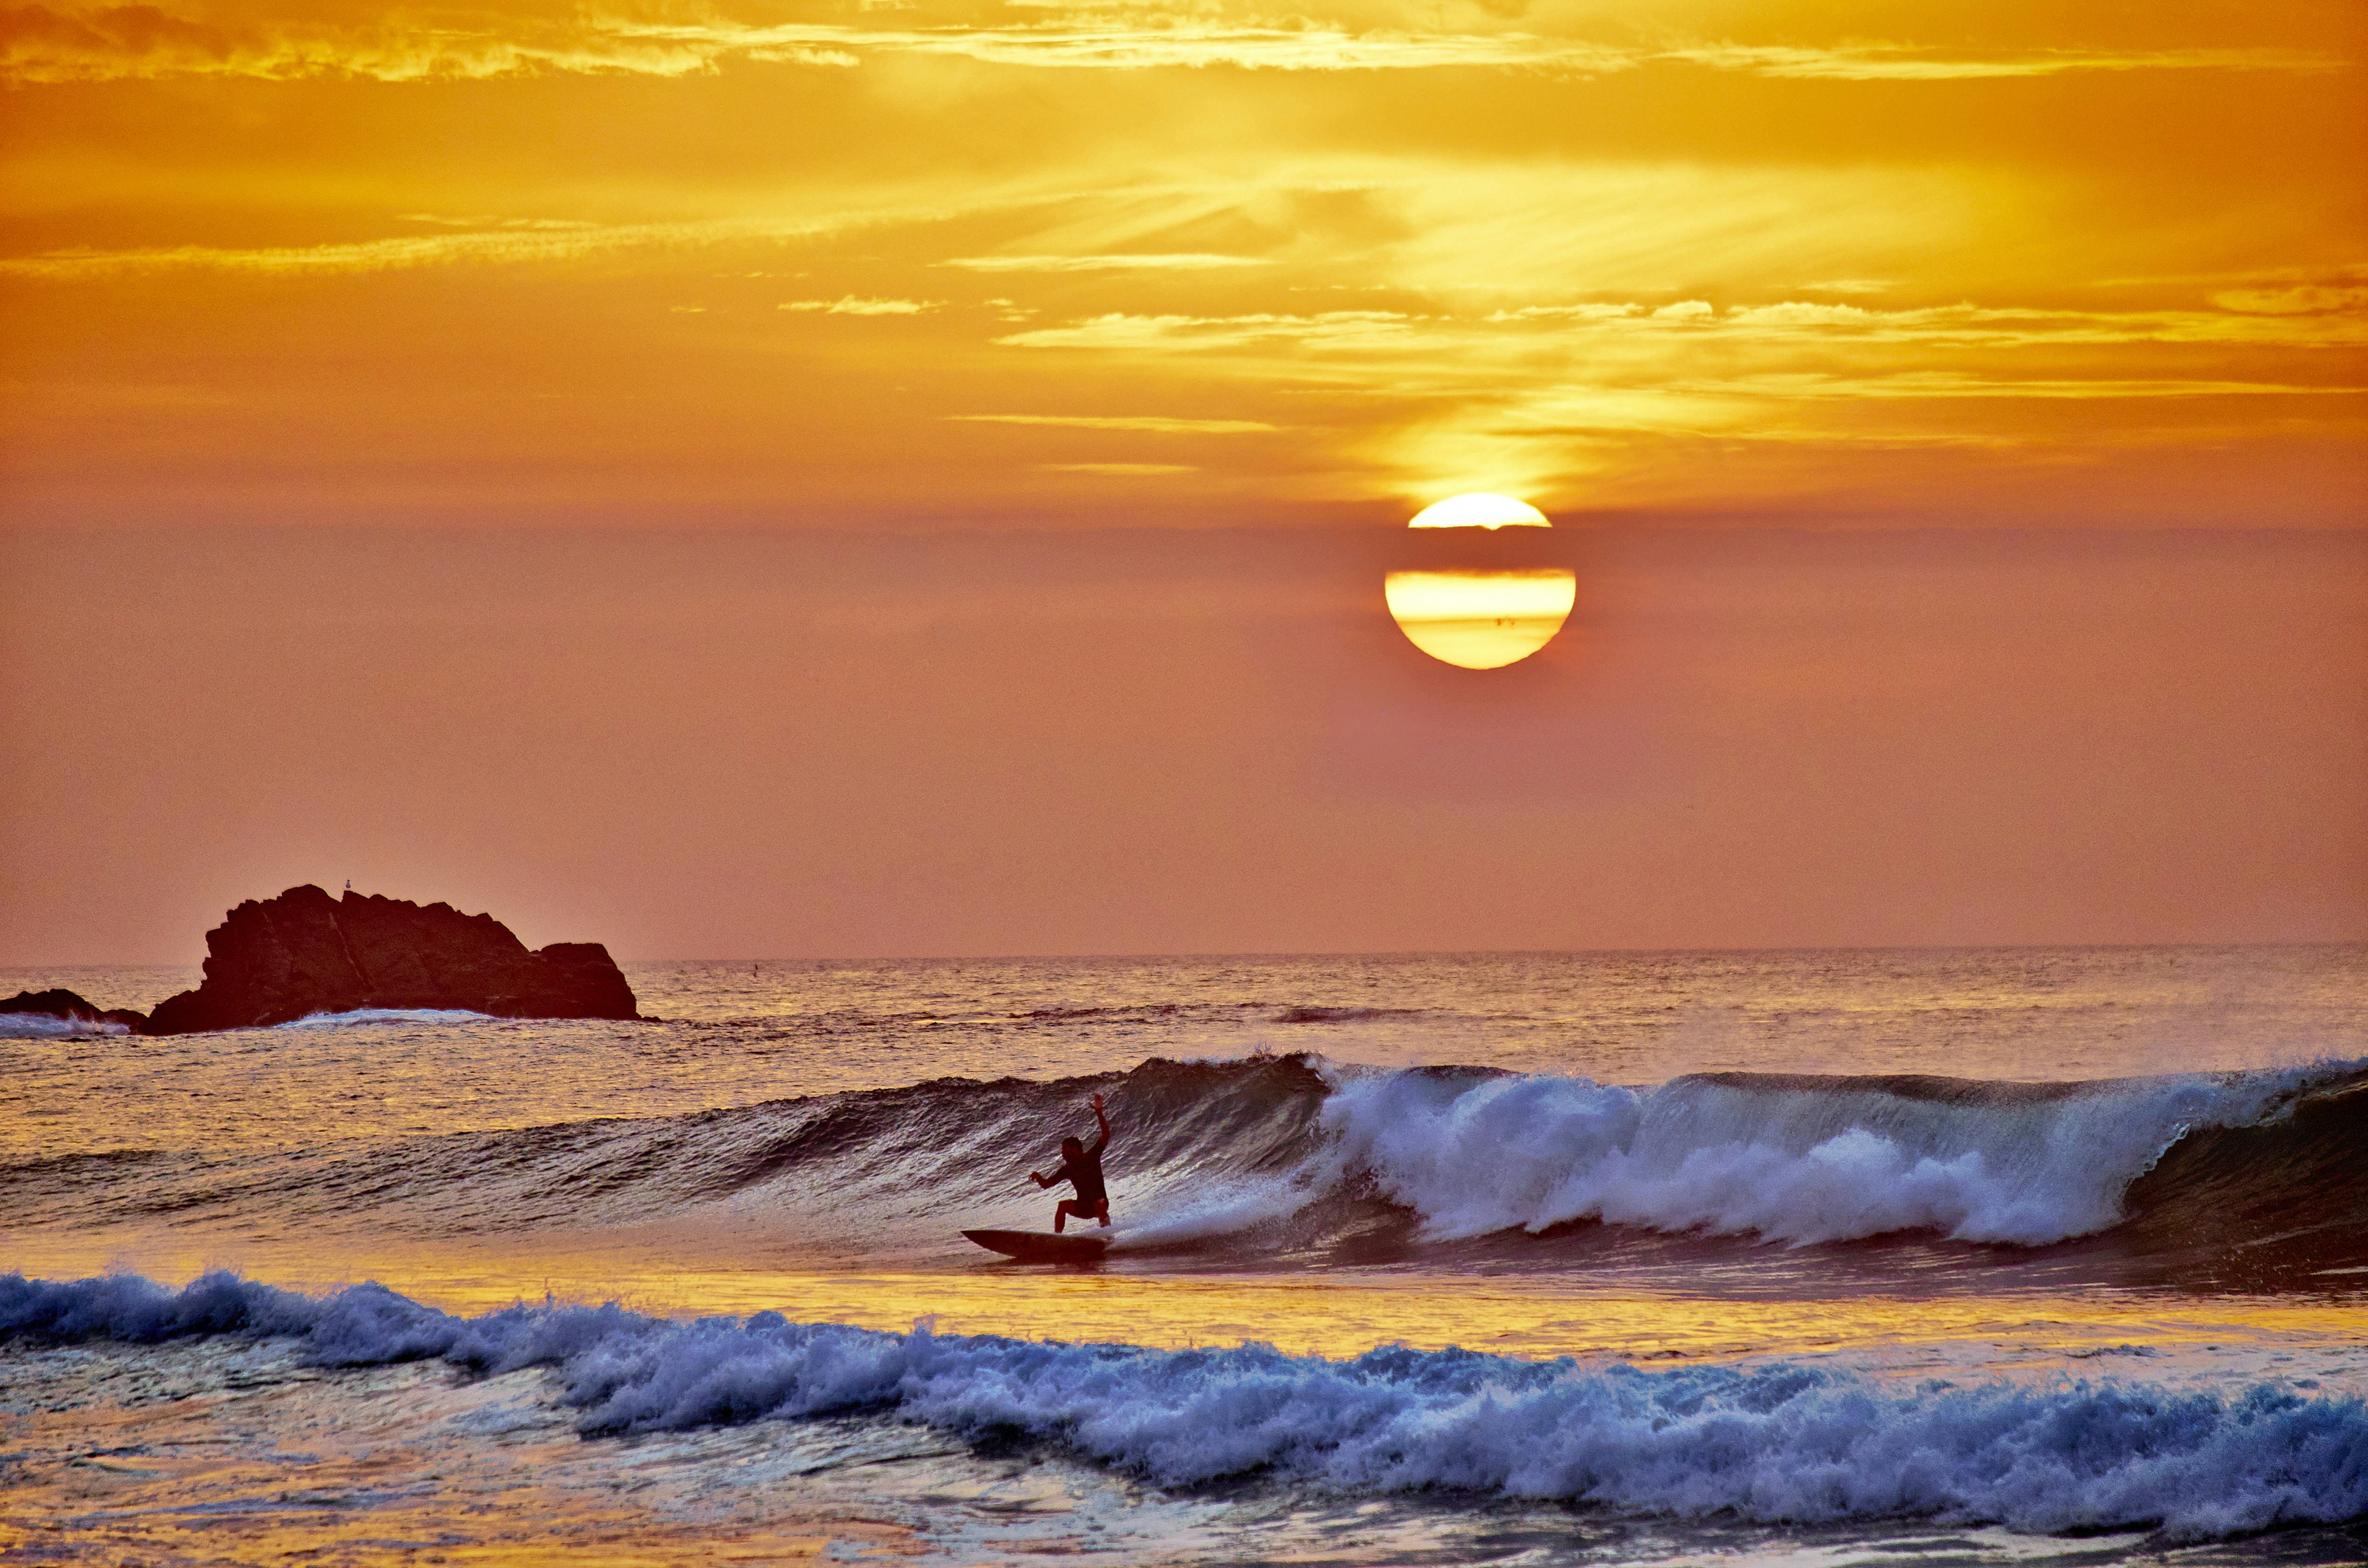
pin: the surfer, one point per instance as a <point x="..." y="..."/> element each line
<point x="1081" y="1168"/>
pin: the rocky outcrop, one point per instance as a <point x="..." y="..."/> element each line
<point x="305" y="952"/>
<point x="71" y="1007"/>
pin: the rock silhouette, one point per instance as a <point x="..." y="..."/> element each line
<point x="73" y="1007"/>
<point x="278" y="960"/>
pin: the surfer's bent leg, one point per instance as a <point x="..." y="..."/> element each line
<point x="1101" y="1210"/>
<point x="1067" y="1207"/>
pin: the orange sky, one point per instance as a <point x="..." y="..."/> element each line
<point x="358" y="298"/>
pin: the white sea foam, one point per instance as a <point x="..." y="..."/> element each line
<point x="48" y="1026"/>
<point x="1797" y="1164"/>
<point x="432" y="1017"/>
<point x="1776" y="1441"/>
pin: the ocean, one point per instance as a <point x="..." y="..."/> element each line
<point x="2003" y="1255"/>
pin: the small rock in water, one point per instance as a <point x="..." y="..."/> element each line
<point x="73" y="1007"/>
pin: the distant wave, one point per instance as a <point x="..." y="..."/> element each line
<point x="1312" y="1015"/>
<point x="47" y="1026"/>
<point x="1770" y="1442"/>
<point x="363" y="1017"/>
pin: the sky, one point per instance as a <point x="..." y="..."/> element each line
<point x="861" y="479"/>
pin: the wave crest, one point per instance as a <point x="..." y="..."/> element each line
<point x="433" y="1017"/>
<point x="1777" y="1442"/>
<point x="1792" y="1159"/>
<point x="2241" y="1179"/>
<point x="49" y="1026"/>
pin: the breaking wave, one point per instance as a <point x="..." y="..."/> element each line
<point x="1290" y="1161"/>
<point x="1789" y="1159"/>
<point x="1777" y="1442"/>
<point x="49" y="1026"/>
<point x="364" y="1016"/>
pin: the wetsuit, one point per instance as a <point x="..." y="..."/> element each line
<point x="1085" y="1172"/>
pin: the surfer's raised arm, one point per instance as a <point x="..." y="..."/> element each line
<point x="1103" y="1142"/>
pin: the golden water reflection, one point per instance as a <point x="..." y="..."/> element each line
<point x="1339" y="1313"/>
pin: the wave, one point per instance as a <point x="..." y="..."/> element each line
<point x="1788" y="1158"/>
<point x="432" y="1017"/>
<point x="2231" y="1179"/>
<point x="48" y="1026"/>
<point x="1314" y="1015"/>
<point x="1773" y="1442"/>
<point x="986" y="1018"/>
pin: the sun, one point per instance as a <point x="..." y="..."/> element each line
<point x="1480" y="510"/>
<point x="1475" y="616"/>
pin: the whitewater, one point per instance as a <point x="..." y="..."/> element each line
<point x="1994" y="1256"/>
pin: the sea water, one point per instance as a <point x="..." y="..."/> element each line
<point x="1818" y="1256"/>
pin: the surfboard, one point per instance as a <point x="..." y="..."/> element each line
<point x="1038" y="1247"/>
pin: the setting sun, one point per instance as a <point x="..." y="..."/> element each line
<point x="1480" y="511"/>
<point x="1481" y="621"/>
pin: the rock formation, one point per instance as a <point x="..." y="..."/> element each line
<point x="305" y="952"/>
<point x="73" y="1007"/>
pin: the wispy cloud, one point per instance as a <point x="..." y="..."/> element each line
<point x="41" y="43"/>
<point x="2294" y="299"/>
<point x="1119" y="330"/>
<point x="1910" y="384"/>
<point x="1170" y="41"/>
<point x="851" y="306"/>
<point x="1180" y="262"/>
<point x="353" y="256"/>
<point x="1533" y="395"/>
<point x="504" y="240"/>
<point x="1918" y="63"/>
<point x="2327" y="323"/>
<point x="1156" y="424"/>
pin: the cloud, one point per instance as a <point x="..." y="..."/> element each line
<point x="1536" y="395"/>
<point x="2302" y="299"/>
<point x="1170" y="41"/>
<point x="1790" y="322"/>
<point x="1184" y="261"/>
<point x="45" y="44"/>
<point x="1917" y="62"/>
<point x="1158" y="423"/>
<point x="40" y="44"/>
<point x="1570" y="312"/>
<point x="352" y="255"/>
<point x="1911" y="384"/>
<point x="2315" y="316"/>
<point x="852" y="306"/>
<point x="509" y="241"/>
<point x="1119" y="330"/>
